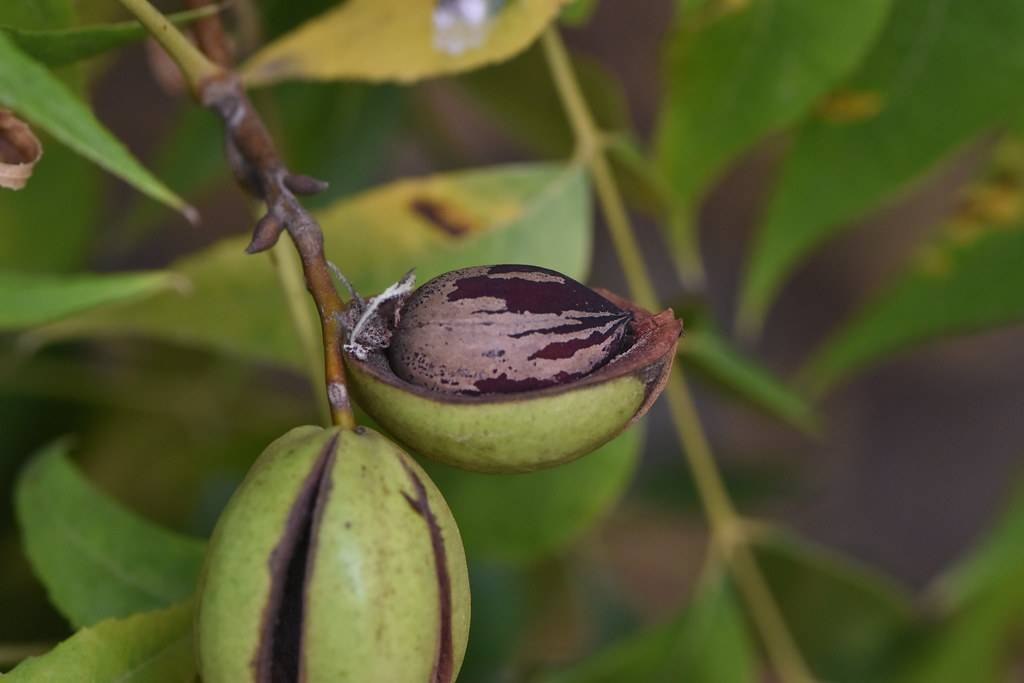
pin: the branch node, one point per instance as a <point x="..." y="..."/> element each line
<point x="266" y="234"/>
<point x="304" y="185"/>
<point x="258" y="167"/>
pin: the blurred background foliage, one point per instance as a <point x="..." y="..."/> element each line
<point x="829" y="192"/>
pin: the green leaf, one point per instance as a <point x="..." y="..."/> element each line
<point x="29" y="299"/>
<point x="37" y="95"/>
<point x="981" y="600"/>
<point x="705" y="350"/>
<point x="338" y="132"/>
<point x="394" y="40"/>
<point x="578" y="12"/>
<point x="526" y="517"/>
<point x="750" y="71"/>
<point x="975" y="644"/>
<point x="520" y="94"/>
<point x="531" y="213"/>
<point x="57" y="47"/>
<point x="335" y="132"/>
<point x="69" y="223"/>
<point x="190" y="160"/>
<point x="995" y="565"/>
<point x="961" y="283"/>
<point x="37" y="14"/>
<point x="867" y="613"/>
<point x="97" y="559"/>
<point x="500" y="617"/>
<point x="154" y="647"/>
<point x="891" y="124"/>
<point x="280" y="16"/>
<point x="707" y="642"/>
<point x="736" y="72"/>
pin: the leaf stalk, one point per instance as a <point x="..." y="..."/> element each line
<point x="727" y="527"/>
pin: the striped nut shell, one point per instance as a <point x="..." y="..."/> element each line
<point x="504" y="329"/>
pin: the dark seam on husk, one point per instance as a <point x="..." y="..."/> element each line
<point x="319" y="509"/>
<point x="276" y="661"/>
<point x="444" y="663"/>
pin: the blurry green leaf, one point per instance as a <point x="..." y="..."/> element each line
<point x="37" y="95"/>
<point x="500" y="611"/>
<point x="686" y="7"/>
<point x="334" y="132"/>
<point x="752" y="70"/>
<point x="281" y="16"/>
<point x="524" y="517"/>
<point x="578" y="12"/>
<point x="521" y="95"/>
<point x="59" y="208"/>
<point x="974" y="644"/>
<point x="97" y="559"/>
<point x="982" y="601"/>
<point x="28" y="299"/>
<point x="707" y="642"/>
<point x="891" y="123"/>
<point x="199" y="419"/>
<point x="765" y="479"/>
<point x="962" y="283"/>
<point x="737" y="71"/>
<point x="532" y="213"/>
<point x="395" y="40"/>
<point x="705" y="350"/>
<point x="846" y="619"/>
<point x="995" y="564"/>
<point x="642" y="182"/>
<point x="37" y="14"/>
<point x="337" y="132"/>
<point x="189" y="158"/>
<point x="154" y="647"/>
<point x="56" y="47"/>
<point x="70" y="221"/>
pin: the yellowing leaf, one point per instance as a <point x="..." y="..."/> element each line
<point x="527" y="213"/>
<point x="398" y="40"/>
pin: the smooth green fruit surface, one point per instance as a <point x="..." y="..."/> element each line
<point x="502" y="436"/>
<point x="336" y="560"/>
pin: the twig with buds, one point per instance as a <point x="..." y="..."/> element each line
<point x="258" y="168"/>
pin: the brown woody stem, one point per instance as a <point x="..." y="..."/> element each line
<point x="258" y="168"/>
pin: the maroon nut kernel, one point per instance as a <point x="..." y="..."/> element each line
<point x="504" y="329"/>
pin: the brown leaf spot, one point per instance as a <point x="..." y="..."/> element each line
<point x="441" y="215"/>
<point x="850" y="106"/>
<point x="20" y="150"/>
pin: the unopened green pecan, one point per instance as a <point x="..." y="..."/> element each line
<point x="336" y="560"/>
